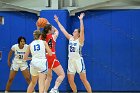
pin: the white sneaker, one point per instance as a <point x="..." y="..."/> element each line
<point x="34" y="91"/>
<point x="54" y="91"/>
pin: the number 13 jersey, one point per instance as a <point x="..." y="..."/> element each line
<point x="37" y="48"/>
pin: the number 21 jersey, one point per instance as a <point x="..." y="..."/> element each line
<point x="19" y="53"/>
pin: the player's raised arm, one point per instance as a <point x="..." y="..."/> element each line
<point x="82" y="37"/>
<point x="68" y="36"/>
<point x="47" y="48"/>
<point x="56" y="33"/>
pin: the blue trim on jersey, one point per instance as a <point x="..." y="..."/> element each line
<point x="80" y="50"/>
<point x="45" y="71"/>
<point x="12" y="68"/>
<point x="82" y="66"/>
<point x="68" y="70"/>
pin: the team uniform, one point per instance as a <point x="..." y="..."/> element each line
<point x="17" y="62"/>
<point x="52" y="60"/>
<point x="39" y="62"/>
<point x="75" y="62"/>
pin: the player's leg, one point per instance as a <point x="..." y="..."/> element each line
<point x="11" y="78"/>
<point x="48" y="80"/>
<point x="51" y="62"/>
<point x="32" y="84"/>
<point x="82" y="72"/>
<point x="42" y="76"/>
<point x="71" y="74"/>
<point x="25" y="72"/>
<point x="13" y="70"/>
<point x="85" y="82"/>
<point x="26" y="75"/>
<point x="71" y="82"/>
<point x="41" y="81"/>
<point x="61" y="75"/>
<point x="34" y="78"/>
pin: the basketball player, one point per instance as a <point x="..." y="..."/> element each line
<point x="50" y="34"/>
<point x="17" y="62"/>
<point x="38" y="65"/>
<point x="75" y="62"/>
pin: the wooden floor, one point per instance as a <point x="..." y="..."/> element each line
<point x="81" y="92"/>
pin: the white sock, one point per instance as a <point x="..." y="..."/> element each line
<point x="55" y="88"/>
<point x="6" y="91"/>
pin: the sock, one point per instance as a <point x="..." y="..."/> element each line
<point x="6" y="91"/>
<point x="75" y="92"/>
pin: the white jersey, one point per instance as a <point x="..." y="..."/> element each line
<point x="37" y="48"/>
<point x="74" y="48"/>
<point x="39" y="61"/>
<point x="19" y="53"/>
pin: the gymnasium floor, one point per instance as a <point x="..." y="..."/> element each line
<point x="81" y="92"/>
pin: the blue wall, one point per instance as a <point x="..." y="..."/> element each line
<point x="16" y="24"/>
<point x="111" y="50"/>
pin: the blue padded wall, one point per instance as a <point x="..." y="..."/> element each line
<point x="111" y="48"/>
<point x="121" y="50"/>
<point x="96" y="50"/>
<point x="135" y="50"/>
<point x="15" y="24"/>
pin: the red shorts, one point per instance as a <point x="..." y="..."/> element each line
<point x="52" y="61"/>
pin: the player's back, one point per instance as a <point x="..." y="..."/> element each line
<point x="37" y="48"/>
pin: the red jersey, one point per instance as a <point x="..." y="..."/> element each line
<point x="52" y="60"/>
<point x="51" y="42"/>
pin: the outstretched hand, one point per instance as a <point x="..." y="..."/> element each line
<point x="81" y="16"/>
<point x="56" y="18"/>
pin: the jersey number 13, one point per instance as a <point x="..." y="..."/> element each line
<point x="36" y="47"/>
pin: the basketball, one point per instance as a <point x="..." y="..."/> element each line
<point x="41" y="22"/>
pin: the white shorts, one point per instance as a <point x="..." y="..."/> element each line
<point x="15" y="66"/>
<point x="38" y="66"/>
<point x="76" y="65"/>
